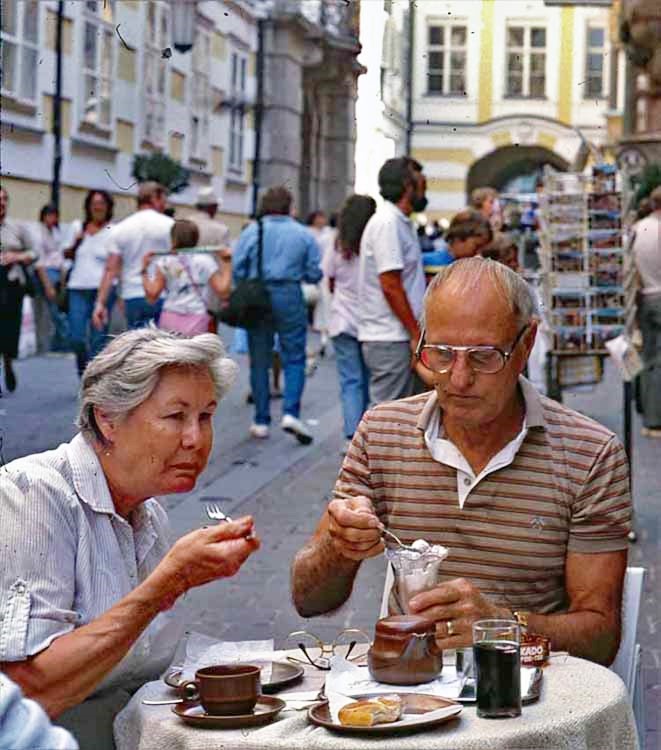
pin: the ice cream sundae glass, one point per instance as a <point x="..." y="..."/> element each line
<point x="416" y="569"/>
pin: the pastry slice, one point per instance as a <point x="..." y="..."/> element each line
<point x="366" y="713"/>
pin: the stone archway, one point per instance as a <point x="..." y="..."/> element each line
<point x="500" y="166"/>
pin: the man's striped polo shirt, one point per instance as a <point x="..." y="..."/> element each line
<point x="567" y="490"/>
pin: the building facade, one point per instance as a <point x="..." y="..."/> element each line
<point x="126" y="90"/>
<point x="499" y="87"/>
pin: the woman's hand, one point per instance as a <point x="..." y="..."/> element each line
<point x="207" y="554"/>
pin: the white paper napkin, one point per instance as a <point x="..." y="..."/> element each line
<point x="204" y="651"/>
<point x="348" y="679"/>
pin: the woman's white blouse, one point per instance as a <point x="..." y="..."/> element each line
<point x="67" y="557"/>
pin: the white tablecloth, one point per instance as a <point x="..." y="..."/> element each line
<point x="583" y="707"/>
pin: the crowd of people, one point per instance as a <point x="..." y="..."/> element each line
<point x="438" y="417"/>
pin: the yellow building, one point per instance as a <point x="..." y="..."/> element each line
<point x="497" y="88"/>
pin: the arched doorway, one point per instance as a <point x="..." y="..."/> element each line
<point x="502" y="168"/>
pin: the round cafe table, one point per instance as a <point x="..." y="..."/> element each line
<point x="582" y="707"/>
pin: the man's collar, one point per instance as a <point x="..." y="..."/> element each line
<point x="533" y="404"/>
<point x="397" y="211"/>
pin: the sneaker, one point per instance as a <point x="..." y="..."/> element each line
<point x="259" y="431"/>
<point x="296" y="428"/>
<point x="651" y="432"/>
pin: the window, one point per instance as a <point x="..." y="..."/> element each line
<point x="594" y="62"/>
<point x="155" y="73"/>
<point x="526" y="61"/>
<point x="446" y="59"/>
<point x="200" y="95"/>
<point x="98" y="63"/>
<point x="20" y="41"/>
<point x="237" y="112"/>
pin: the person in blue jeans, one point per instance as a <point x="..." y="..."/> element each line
<point x="88" y="250"/>
<point x="341" y="269"/>
<point x="290" y="256"/>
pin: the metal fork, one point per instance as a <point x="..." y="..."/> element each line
<point x="216" y="514"/>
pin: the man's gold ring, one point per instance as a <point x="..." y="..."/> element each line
<point x="450" y="627"/>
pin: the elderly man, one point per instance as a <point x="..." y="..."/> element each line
<point x="212" y="232"/>
<point x="530" y="497"/>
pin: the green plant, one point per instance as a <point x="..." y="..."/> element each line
<point x="161" y="168"/>
<point x="648" y="180"/>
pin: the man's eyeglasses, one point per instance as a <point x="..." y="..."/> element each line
<point x="486" y="359"/>
<point x="352" y="644"/>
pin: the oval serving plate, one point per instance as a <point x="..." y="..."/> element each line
<point x="266" y="710"/>
<point x="420" y="711"/>
<point x="274" y="676"/>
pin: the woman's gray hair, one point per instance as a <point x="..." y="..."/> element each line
<point x="126" y="372"/>
<point x="468" y="274"/>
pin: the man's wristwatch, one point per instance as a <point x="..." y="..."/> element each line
<point x="521" y="616"/>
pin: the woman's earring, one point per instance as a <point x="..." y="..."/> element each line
<point x="108" y="449"/>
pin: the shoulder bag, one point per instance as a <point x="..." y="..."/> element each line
<point x="249" y="305"/>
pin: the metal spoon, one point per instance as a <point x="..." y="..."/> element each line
<point x="384" y="531"/>
<point x="167" y="702"/>
<point x="407" y="547"/>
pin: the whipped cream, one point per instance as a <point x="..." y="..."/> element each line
<point x="416" y="570"/>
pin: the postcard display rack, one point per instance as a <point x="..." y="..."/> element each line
<point x="583" y="270"/>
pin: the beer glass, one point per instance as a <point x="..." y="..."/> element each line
<point x="497" y="668"/>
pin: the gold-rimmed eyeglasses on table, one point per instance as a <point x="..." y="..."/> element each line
<point x="351" y="643"/>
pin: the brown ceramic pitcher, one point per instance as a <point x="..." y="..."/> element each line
<point x="404" y="651"/>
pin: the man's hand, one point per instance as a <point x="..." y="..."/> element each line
<point x="99" y="316"/>
<point x="51" y="294"/>
<point x="454" y="607"/>
<point x="354" y="528"/>
<point x="207" y="554"/>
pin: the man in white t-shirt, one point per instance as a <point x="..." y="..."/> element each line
<point x="147" y="230"/>
<point x="391" y="282"/>
<point x="647" y="257"/>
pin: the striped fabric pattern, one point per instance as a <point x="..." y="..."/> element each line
<point x="567" y="490"/>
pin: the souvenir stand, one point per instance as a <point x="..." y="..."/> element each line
<point x="586" y="277"/>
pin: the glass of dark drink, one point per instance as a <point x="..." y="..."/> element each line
<point x="497" y="668"/>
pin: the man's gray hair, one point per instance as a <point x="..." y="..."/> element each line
<point x="468" y="274"/>
<point x="126" y="372"/>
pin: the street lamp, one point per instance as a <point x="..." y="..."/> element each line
<point x="183" y="24"/>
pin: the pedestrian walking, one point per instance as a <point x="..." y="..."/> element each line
<point x="50" y="269"/>
<point x="187" y="281"/>
<point x="341" y="273"/>
<point x="290" y="256"/>
<point x="391" y="282"/>
<point x="148" y="229"/>
<point x="647" y="257"/>
<point x="469" y="232"/>
<point x="88" y="252"/>
<point x="16" y="254"/>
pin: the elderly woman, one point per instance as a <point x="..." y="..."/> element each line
<point x="88" y="574"/>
